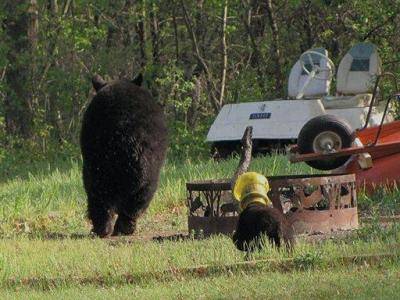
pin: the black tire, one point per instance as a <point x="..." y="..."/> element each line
<point x="318" y="125"/>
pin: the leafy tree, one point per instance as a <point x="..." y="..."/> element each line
<point x="195" y="55"/>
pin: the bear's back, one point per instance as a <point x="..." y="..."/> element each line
<point x="123" y="138"/>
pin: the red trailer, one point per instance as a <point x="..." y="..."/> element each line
<point x="373" y="153"/>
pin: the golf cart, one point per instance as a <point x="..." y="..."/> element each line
<point x="278" y="122"/>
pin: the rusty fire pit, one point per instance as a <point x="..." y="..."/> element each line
<point x="312" y="203"/>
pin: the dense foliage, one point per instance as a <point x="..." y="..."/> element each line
<point x="195" y="56"/>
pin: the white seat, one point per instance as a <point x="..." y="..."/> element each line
<point x="355" y="78"/>
<point x="316" y="87"/>
<point x="358" y="70"/>
<point x="335" y="102"/>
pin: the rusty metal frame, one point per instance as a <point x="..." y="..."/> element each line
<point x="319" y="203"/>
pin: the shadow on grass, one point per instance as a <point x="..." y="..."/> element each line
<point x="113" y="240"/>
<point x="202" y="271"/>
<point x="173" y="238"/>
<point x="59" y="236"/>
<point x="63" y="236"/>
<point x="121" y="240"/>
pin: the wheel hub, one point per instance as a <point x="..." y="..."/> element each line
<point x="327" y="142"/>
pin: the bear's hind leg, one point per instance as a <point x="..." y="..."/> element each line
<point x="275" y="239"/>
<point x="125" y="225"/>
<point x="103" y="220"/>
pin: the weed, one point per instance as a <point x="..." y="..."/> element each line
<point x="308" y="260"/>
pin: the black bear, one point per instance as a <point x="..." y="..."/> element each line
<point x="258" y="220"/>
<point x="123" y="142"/>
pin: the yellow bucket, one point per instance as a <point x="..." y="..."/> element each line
<point x="251" y="187"/>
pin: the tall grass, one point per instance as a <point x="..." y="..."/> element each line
<point x="52" y="196"/>
<point x="48" y="196"/>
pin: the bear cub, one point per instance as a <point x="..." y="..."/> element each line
<point x="256" y="221"/>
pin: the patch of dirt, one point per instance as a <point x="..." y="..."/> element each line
<point x="173" y="227"/>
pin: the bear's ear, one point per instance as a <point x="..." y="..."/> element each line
<point x="98" y="82"/>
<point x="138" y="80"/>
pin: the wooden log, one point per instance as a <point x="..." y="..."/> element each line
<point x="245" y="157"/>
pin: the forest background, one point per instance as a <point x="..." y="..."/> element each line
<point x="195" y="56"/>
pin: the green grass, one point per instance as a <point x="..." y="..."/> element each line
<point x="51" y="198"/>
<point x="46" y="250"/>
<point x="354" y="282"/>
<point x="49" y="263"/>
<point x="68" y="268"/>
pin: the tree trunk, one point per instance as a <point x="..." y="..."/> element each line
<point x="200" y="60"/>
<point x="54" y="7"/>
<point x="257" y="56"/>
<point x="224" y="56"/>
<point x="21" y="26"/>
<point x="141" y="32"/>
<point x="154" y="35"/>
<point x="176" y="37"/>
<point x="307" y="25"/>
<point x="275" y="47"/>
<point x="193" y="111"/>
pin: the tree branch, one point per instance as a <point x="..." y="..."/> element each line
<point x="245" y="157"/>
<point x="224" y="56"/>
<point x="373" y="30"/>
<point x="275" y="45"/>
<point x="200" y="59"/>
